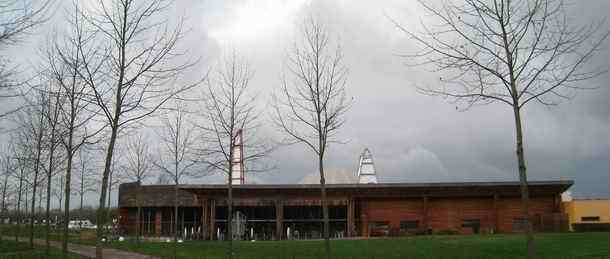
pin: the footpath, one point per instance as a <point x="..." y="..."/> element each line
<point x="89" y="251"/>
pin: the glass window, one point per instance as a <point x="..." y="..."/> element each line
<point x="519" y="224"/>
<point x="474" y="224"/>
<point x="589" y="218"/>
<point x="471" y="223"/>
<point x="409" y="225"/>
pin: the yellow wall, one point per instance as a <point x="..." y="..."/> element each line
<point x="576" y="209"/>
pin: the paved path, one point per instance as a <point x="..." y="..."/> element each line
<point x="89" y="251"/>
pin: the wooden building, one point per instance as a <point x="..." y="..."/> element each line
<point x="290" y="211"/>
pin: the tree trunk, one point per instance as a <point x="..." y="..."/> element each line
<point x="108" y="210"/>
<point x="82" y="188"/>
<point x="176" y="218"/>
<point x="4" y="186"/>
<point x="47" y="213"/>
<point x="64" y="241"/>
<point x="324" y="206"/>
<point x="19" y="206"/>
<point x="531" y="249"/>
<point x="230" y="212"/>
<point x="35" y="183"/>
<point x="61" y="197"/>
<point x="47" y="216"/>
<point x="182" y="226"/>
<point x="101" y="215"/>
<point x="40" y="195"/>
<point x="138" y="213"/>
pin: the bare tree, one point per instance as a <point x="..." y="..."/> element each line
<point x="229" y="113"/>
<point x="311" y="105"/>
<point x="21" y="155"/>
<point x="7" y="167"/>
<point x="176" y="151"/>
<point x="18" y="18"/>
<point x="32" y="123"/>
<point x="66" y="60"/>
<point x="511" y="52"/>
<point x="141" y="65"/>
<point x="51" y="116"/>
<point x="85" y="182"/>
<point x="138" y="169"/>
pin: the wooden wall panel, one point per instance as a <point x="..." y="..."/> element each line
<point x="392" y="210"/>
<point x="510" y="209"/>
<point x="450" y="213"/>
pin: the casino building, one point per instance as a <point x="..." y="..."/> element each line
<point x="365" y="208"/>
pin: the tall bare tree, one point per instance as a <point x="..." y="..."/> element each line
<point x="138" y="167"/>
<point x="18" y="19"/>
<point x="511" y="52"/>
<point x="65" y="61"/>
<point x="7" y="168"/>
<point x="229" y="113"/>
<point x="175" y="158"/>
<point x="53" y="133"/>
<point x="22" y="158"/>
<point x="142" y="68"/>
<point x="311" y="104"/>
<point x="33" y="124"/>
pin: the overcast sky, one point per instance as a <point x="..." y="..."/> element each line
<point x="413" y="138"/>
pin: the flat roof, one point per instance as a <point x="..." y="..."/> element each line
<point x="565" y="183"/>
<point x="159" y="195"/>
<point x="590" y="199"/>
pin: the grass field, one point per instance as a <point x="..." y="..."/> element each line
<point x="9" y="231"/>
<point x="551" y="246"/>
<point x="21" y="250"/>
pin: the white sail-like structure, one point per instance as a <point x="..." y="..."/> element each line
<point x="237" y="161"/>
<point x="366" y="169"/>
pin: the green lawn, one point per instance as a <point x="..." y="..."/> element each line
<point x="561" y="245"/>
<point x="9" y="232"/>
<point x="566" y="245"/>
<point x="21" y="250"/>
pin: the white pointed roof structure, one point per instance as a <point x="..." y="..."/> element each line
<point x="237" y="161"/>
<point x="366" y="168"/>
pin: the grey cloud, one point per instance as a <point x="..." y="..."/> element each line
<point x="413" y="137"/>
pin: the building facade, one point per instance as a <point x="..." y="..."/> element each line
<point x="271" y="212"/>
<point x="588" y="214"/>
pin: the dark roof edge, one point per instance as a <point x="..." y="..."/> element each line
<point x="565" y="183"/>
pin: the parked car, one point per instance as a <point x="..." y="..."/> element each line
<point x="80" y="224"/>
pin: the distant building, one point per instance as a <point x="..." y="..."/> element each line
<point x="356" y="210"/>
<point x="588" y="214"/>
